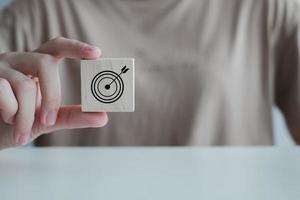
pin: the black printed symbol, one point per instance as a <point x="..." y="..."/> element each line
<point x="108" y="86"/>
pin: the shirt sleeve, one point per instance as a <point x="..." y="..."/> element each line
<point x="287" y="71"/>
<point x="21" y="26"/>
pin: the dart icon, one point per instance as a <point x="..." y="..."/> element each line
<point x="107" y="84"/>
<point x="123" y="71"/>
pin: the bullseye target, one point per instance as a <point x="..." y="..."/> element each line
<point x="107" y="86"/>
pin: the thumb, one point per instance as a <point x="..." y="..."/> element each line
<point x="71" y="117"/>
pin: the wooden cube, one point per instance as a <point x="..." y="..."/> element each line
<point x="107" y="85"/>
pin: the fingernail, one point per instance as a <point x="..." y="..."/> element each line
<point x="91" y="48"/>
<point x="51" y="118"/>
<point x="11" y="120"/>
<point x="22" y="139"/>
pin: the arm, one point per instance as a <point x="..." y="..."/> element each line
<point x="287" y="71"/>
<point x="29" y="79"/>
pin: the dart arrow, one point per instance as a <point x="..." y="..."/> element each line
<point x="123" y="71"/>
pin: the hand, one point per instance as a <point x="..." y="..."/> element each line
<point x="30" y="99"/>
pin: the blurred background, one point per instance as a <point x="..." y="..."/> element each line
<point x="282" y="136"/>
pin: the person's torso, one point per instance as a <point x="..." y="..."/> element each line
<point x="203" y="70"/>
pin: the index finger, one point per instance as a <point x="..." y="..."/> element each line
<point x="61" y="47"/>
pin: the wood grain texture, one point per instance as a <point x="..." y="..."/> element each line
<point x="107" y="85"/>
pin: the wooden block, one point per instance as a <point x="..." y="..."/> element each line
<point x="107" y="85"/>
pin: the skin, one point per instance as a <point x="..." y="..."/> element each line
<point x="30" y="97"/>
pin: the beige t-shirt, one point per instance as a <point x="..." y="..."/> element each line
<point x="207" y="71"/>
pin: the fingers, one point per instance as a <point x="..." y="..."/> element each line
<point x="45" y="67"/>
<point x="8" y="102"/>
<point x="70" y="117"/>
<point x="20" y="95"/>
<point x="25" y="92"/>
<point x="66" y="48"/>
<point x="26" y="95"/>
<point x="38" y="99"/>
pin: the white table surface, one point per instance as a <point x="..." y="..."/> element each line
<point x="150" y="173"/>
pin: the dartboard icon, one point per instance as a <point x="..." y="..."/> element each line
<point x="108" y="86"/>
